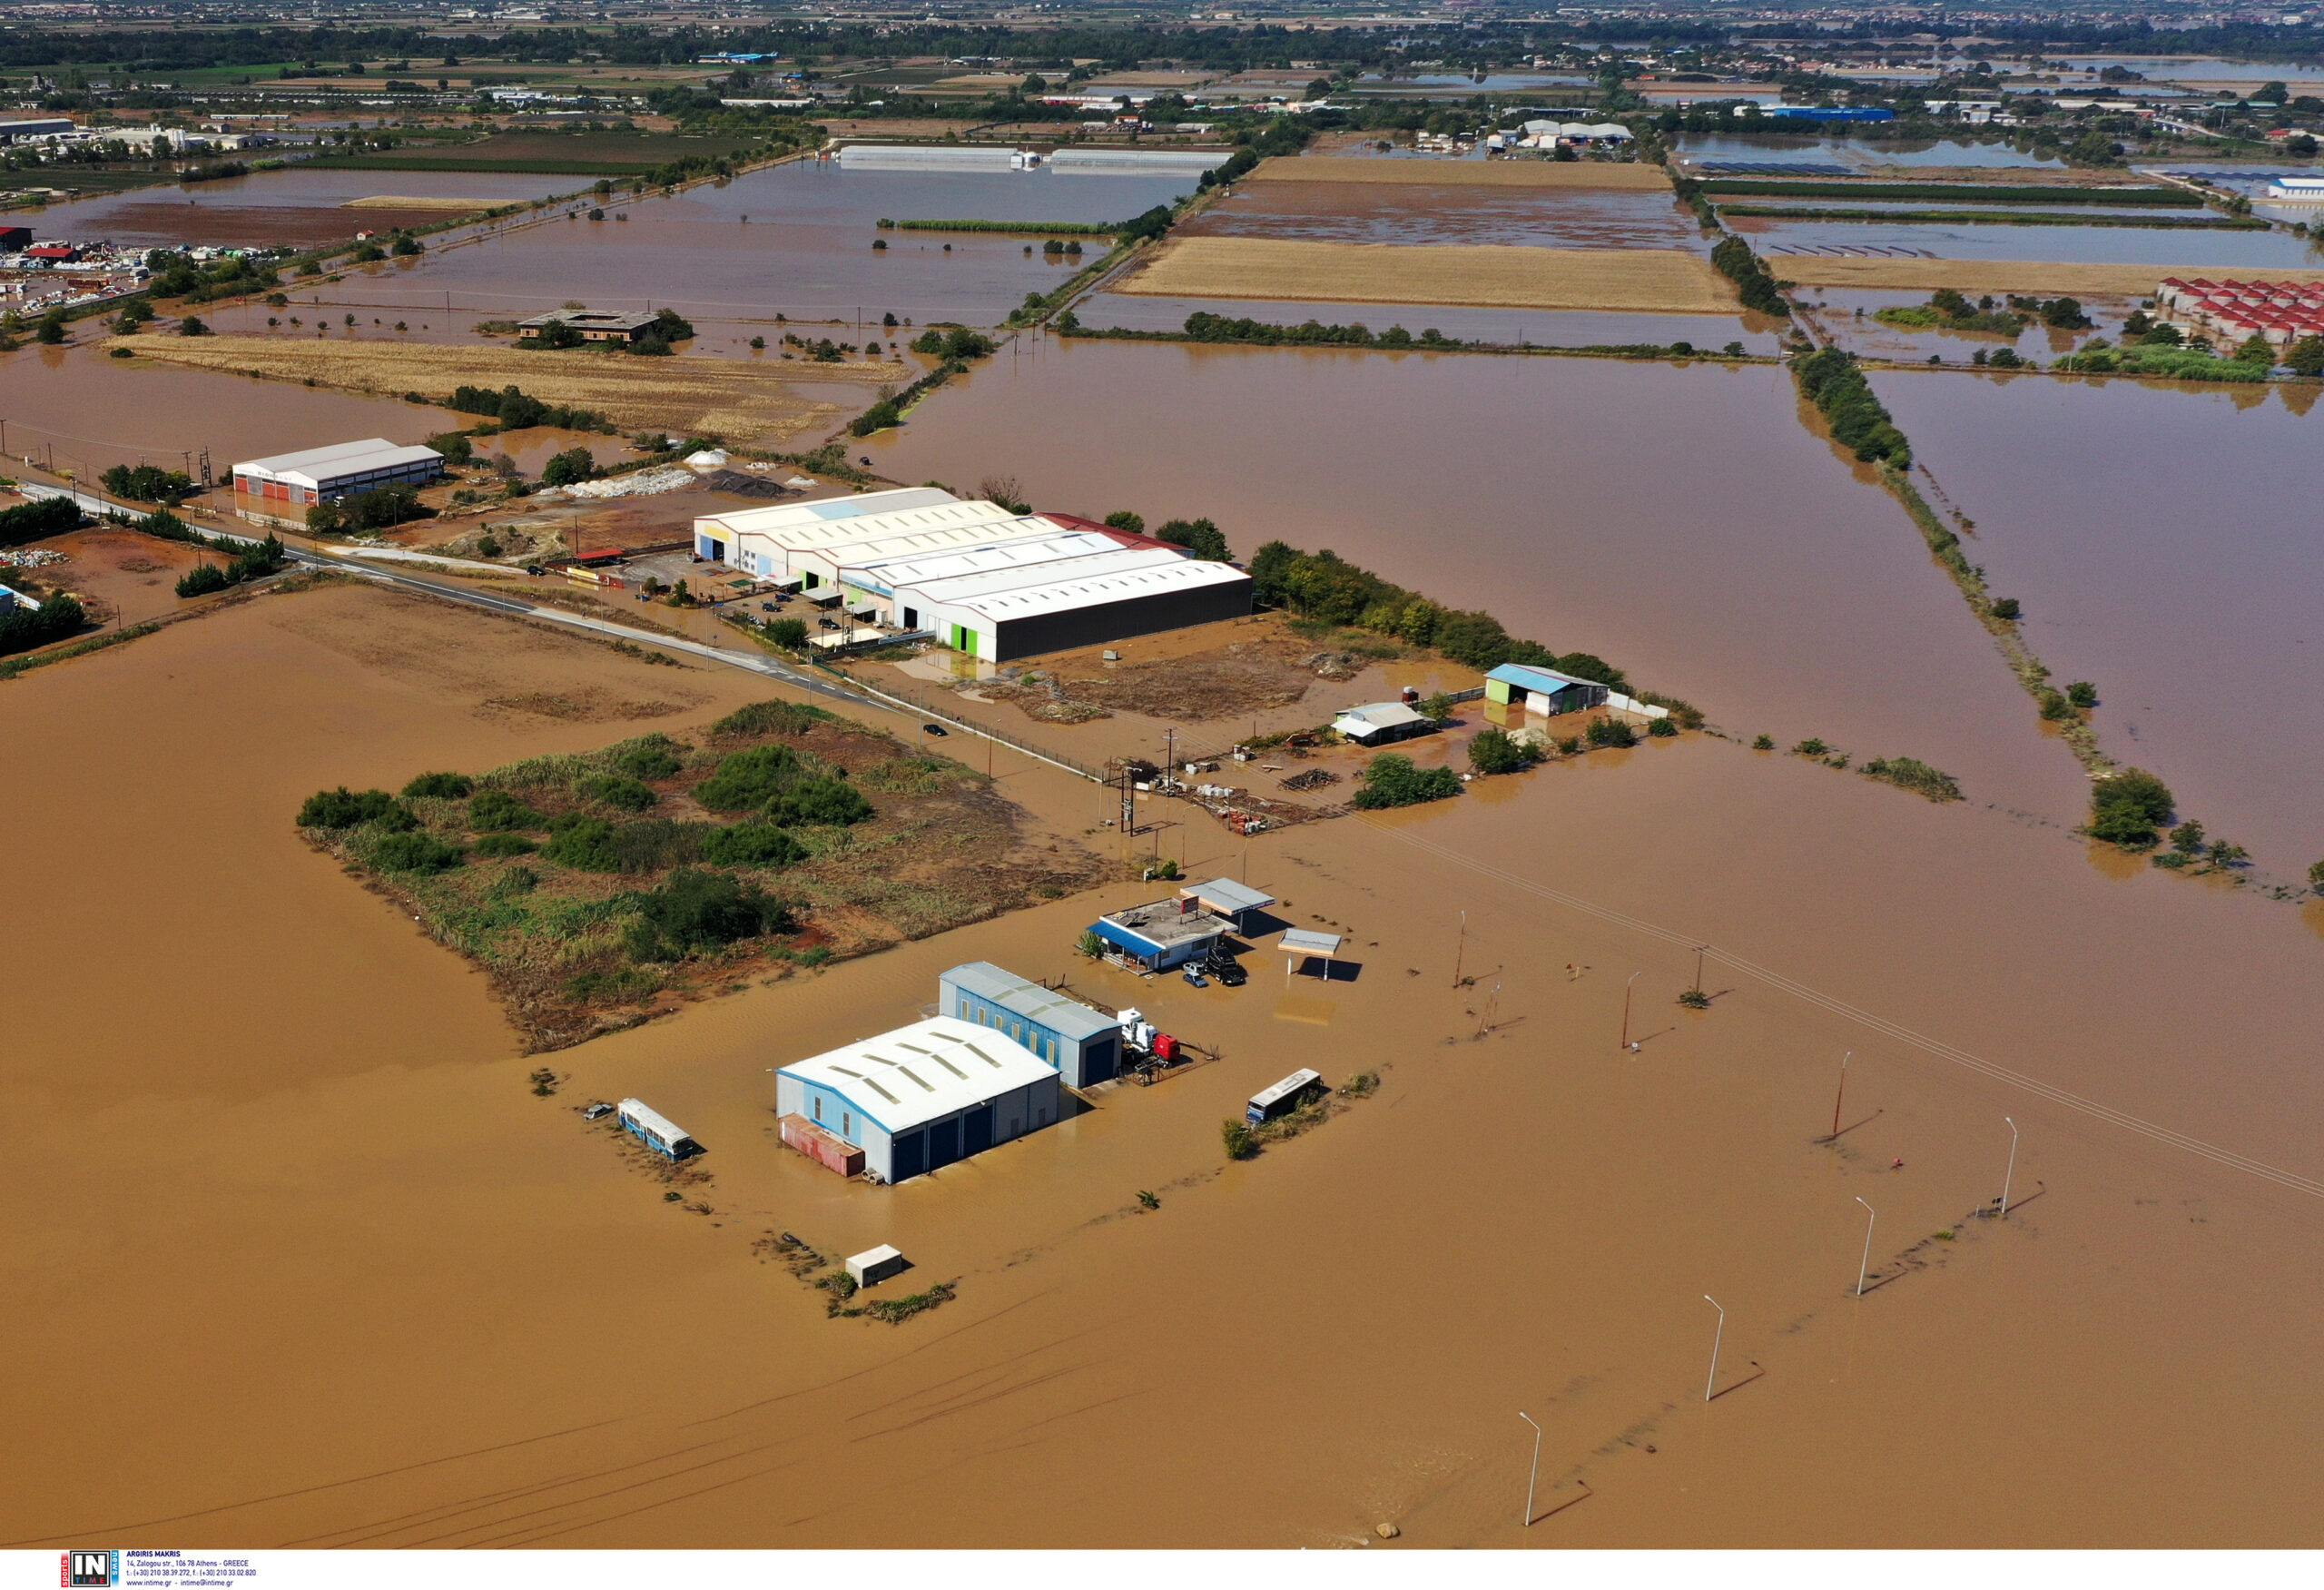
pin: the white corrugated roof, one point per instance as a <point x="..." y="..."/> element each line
<point x="918" y="569"/>
<point x="1306" y="941"/>
<point x="811" y="526"/>
<point x="919" y="1073"/>
<point x="883" y="539"/>
<point x="825" y="510"/>
<point x="1077" y="582"/>
<point x="346" y="458"/>
<point x="1381" y="714"/>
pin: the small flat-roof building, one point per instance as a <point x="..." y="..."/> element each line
<point x="919" y="1098"/>
<point x="1382" y="723"/>
<point x="290" y="483"/>
<point x="1083" y="1044"/>
<point x="595" y="325"/>
<point x="1542" y="690"/>
<point x="1162" y="934"/>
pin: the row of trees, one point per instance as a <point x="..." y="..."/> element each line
<point x="267" y="558"/>
<point x="59" y="618"/>
<point x="1733" y="258"/>
<point x="1324" y="587"/>
<point x="1860" y="420"/>
<point x="518" y="410"/>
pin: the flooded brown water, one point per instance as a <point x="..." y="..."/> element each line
<point x="1548" y="328"/>
<point x="277" y="207"/>
<point x="356" y="1207"/>
<point x="1680" y="521"/>
<point x="97" y="412"/>
<point x="793" y="240"/>
<point x="2180" y="578"/>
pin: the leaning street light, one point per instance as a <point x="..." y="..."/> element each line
<point x="1528" y="1520"/>
<point x="1715" y="1336"/>
<point x="1871" y="1218"/>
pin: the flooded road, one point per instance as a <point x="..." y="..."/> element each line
<point x="1680" y="521"/>
<point x="350" y="1293"/>
<point x="794" y="239"/>
<point x="2179" y="575"/>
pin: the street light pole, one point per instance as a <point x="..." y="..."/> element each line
<point x="1528" y="1520"/>
<point x="2009" y="1174"/>
<point x="1871" y="1218"/>
<point x="1626" y="1008"/>
<point x="1843" y="1091"/>
<point x="1716" y="1337"/>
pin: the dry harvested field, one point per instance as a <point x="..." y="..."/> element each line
<point x="1489" y="275"/>
<point x="415" y="202"/>
<point x="739" y="400"/>
<point x="1996" y="275"/>
<point x="1483" y="173"/>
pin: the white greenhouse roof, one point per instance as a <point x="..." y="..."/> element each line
<point x="925" y="1072"/>
<point x="317" y="464"/>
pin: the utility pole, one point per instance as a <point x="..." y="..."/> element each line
<point x="2008" y="1175"/>
<point x="1460" y="948"/>
<point x="1842" y="1093"/>
<point x="1871" y="1218"/>
<point x="1627" y="1045"/>
<point x="1536" y="1474"/>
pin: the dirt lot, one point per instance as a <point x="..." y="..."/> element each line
<point x="1996" y="275"/>
<point x="117" y="574"/>
<point x="414" y="201"/>
<point x="1259" y="668"/>
<point x="741" y="400"/>
<point x="1490" y="173"/>
<point x="1489" y="275"/>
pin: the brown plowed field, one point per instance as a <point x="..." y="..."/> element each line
<point x="1491" y="275"/>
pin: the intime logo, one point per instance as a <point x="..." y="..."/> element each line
<point x="89" y="1568"/>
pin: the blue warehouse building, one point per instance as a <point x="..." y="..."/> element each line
<point x="1081" y="1044"/>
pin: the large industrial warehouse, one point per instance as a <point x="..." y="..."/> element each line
<point x="287" y="484"/>
<point x="989" y="583"/>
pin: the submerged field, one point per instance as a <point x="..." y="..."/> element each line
<point x="1487" y="173"/>
<point x="1664" y="281"/>
<point x="744" y="400"/>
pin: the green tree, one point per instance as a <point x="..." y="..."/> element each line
<point x="2256" y="349"/>
<point x="2307" y="357"/>
<point x="1199" y="536"/>
<point x="574" y="464"/>
<point x="340" y="808"/>
<point x="52" y="327"/>
<point x="1123" y="520"/>
<point x="2127" y="807"/>
<point x="1496" y="750"/>
<point x="1390" y="779"/>
<point x="788" y="633"/>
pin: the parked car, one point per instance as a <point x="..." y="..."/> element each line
<point x="535" y="568"/>
<point x="598" y="1111"/>
<point x="938" y="730"/>
<point x="1194" y="975"/>
<point x="770" y="606"/>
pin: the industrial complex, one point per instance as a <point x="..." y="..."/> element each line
<point x="986" y="582"/>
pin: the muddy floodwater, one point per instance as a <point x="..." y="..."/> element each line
<point x="1680" y="521"/>
<point x="1546" y="328"/>
<point x="794" y="239"/>
<point x="96" y="412"/>
<point x="1522" y="1215"/>
<point x="1850" y="154"/>
<point x="2176" y="565"/>
<point x="272" y="207"/>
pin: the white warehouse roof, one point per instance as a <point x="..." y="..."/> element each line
<point x="319" y="464"/>
<point x="810" y="526"/>
<point x="1070" y="582"/>
<point x="884" y="540"/>
<point x="893" y="573"/>
<point x="923" y="1072"/>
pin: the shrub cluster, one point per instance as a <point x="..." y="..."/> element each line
<point x="1733" y="258"/>
<point x="1831" y="380"/>
<point x="517" y="411"/>
<point x="1392" y="780"/>
<point x="23" y="628"/>
<point x="42" y="517"/>
<point x="1495" y="750"/>
<point x="696" y="910"/>
<point x="147" y="483"/>
<point x="267" y="558"/>
<point x="378" y="509"/>
<point x="2126" y="808"/>
<point x="783" y="786"/>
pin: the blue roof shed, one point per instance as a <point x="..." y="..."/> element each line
<point x="1542" y="690"/>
